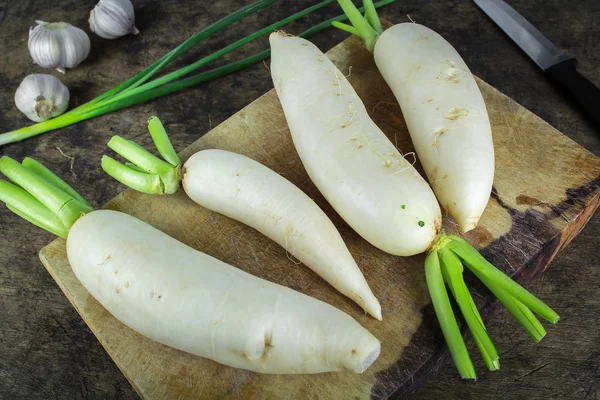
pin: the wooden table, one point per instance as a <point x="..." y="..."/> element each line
<point x="46" y="351"/>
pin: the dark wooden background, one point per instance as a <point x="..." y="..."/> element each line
<point x="47" y="352"/>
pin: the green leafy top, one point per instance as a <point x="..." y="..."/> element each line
<point x="40" y="197"/>
<point x="146" y="172"/>
<point x="367" y="27"/>
<point x="444" y="266"/>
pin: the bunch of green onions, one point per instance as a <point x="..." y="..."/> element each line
<point x="142" y="87"/>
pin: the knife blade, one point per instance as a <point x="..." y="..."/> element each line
<point x="559" y="67"/>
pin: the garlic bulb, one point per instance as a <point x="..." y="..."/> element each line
<point x="41" y="97"/>
<point x="58" y="45"/>
<point x="111" y="19"/>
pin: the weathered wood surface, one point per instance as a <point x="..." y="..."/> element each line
<point x="545" y="190"/>
<point x="48" y="352"/>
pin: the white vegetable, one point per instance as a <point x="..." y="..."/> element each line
<point x="247" y="191"/>
<point x="58" y="45"/>
<point x="111" y="19"/>
<point x="41" y="97"/>
<point x="445" y="114"/>
<point x="343" y="150"/>
<point x="303" y="80"/>
<point x="185" y="299"/>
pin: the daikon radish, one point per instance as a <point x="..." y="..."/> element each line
<point x="377" y="192"/>
<point x="443" y="108"/>
<point x="181" y="297"/>
<point x="359" y="171"/>
<point x="247" y="191"/>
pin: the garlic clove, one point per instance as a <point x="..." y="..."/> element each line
<point x="111" y="19"/>
<point x="58" y="45"/>
<point x="41" y="97"/>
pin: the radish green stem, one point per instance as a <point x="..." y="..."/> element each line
<point x="28" y="207"/>
<point x="443" y="310"/>
<point x="476" y="262"/>
<point x="60" y="203"/>
<point x="371" y="16"/>
<point x="104" y="104"/>
<point x="161" y="139"/>
<point x="42" y="198"/>
<point x="43" y="172"/>
<point x="345" y="27"/>
<point x="522" y="314"/>
<point x="58" y="230"/>
<point x="139" y="156"/>
<point x="455" y="252"/>
<point x="146" y="173"/>
<point x="368" y="27"/>
<point x="132" y="177"/>
<point x="452" y="269"/>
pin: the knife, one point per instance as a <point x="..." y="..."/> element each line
<point x="559" y="67"/>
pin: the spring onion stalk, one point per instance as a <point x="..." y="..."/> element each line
<point x="214" y="56"/>
<point x="151" y="70"/>
<point x="140" y="88"/>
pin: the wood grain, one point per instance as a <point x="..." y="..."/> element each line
<point x="546" y="188"/>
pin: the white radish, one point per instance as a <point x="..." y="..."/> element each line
<point x="445" y="114"/>
<point x="442" y="105"/>
<point x="368" y="182"/>
<point x="342" y="150"/>
<point x="188" y="300"/>
<point x="181" y="297"/>
<point x="247" y="191"/>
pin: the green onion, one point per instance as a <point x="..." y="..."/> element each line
<point x="139" y="89"/>
<point x="149" y="71"/>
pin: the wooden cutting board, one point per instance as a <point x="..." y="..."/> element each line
<point x="546" y="188"/>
